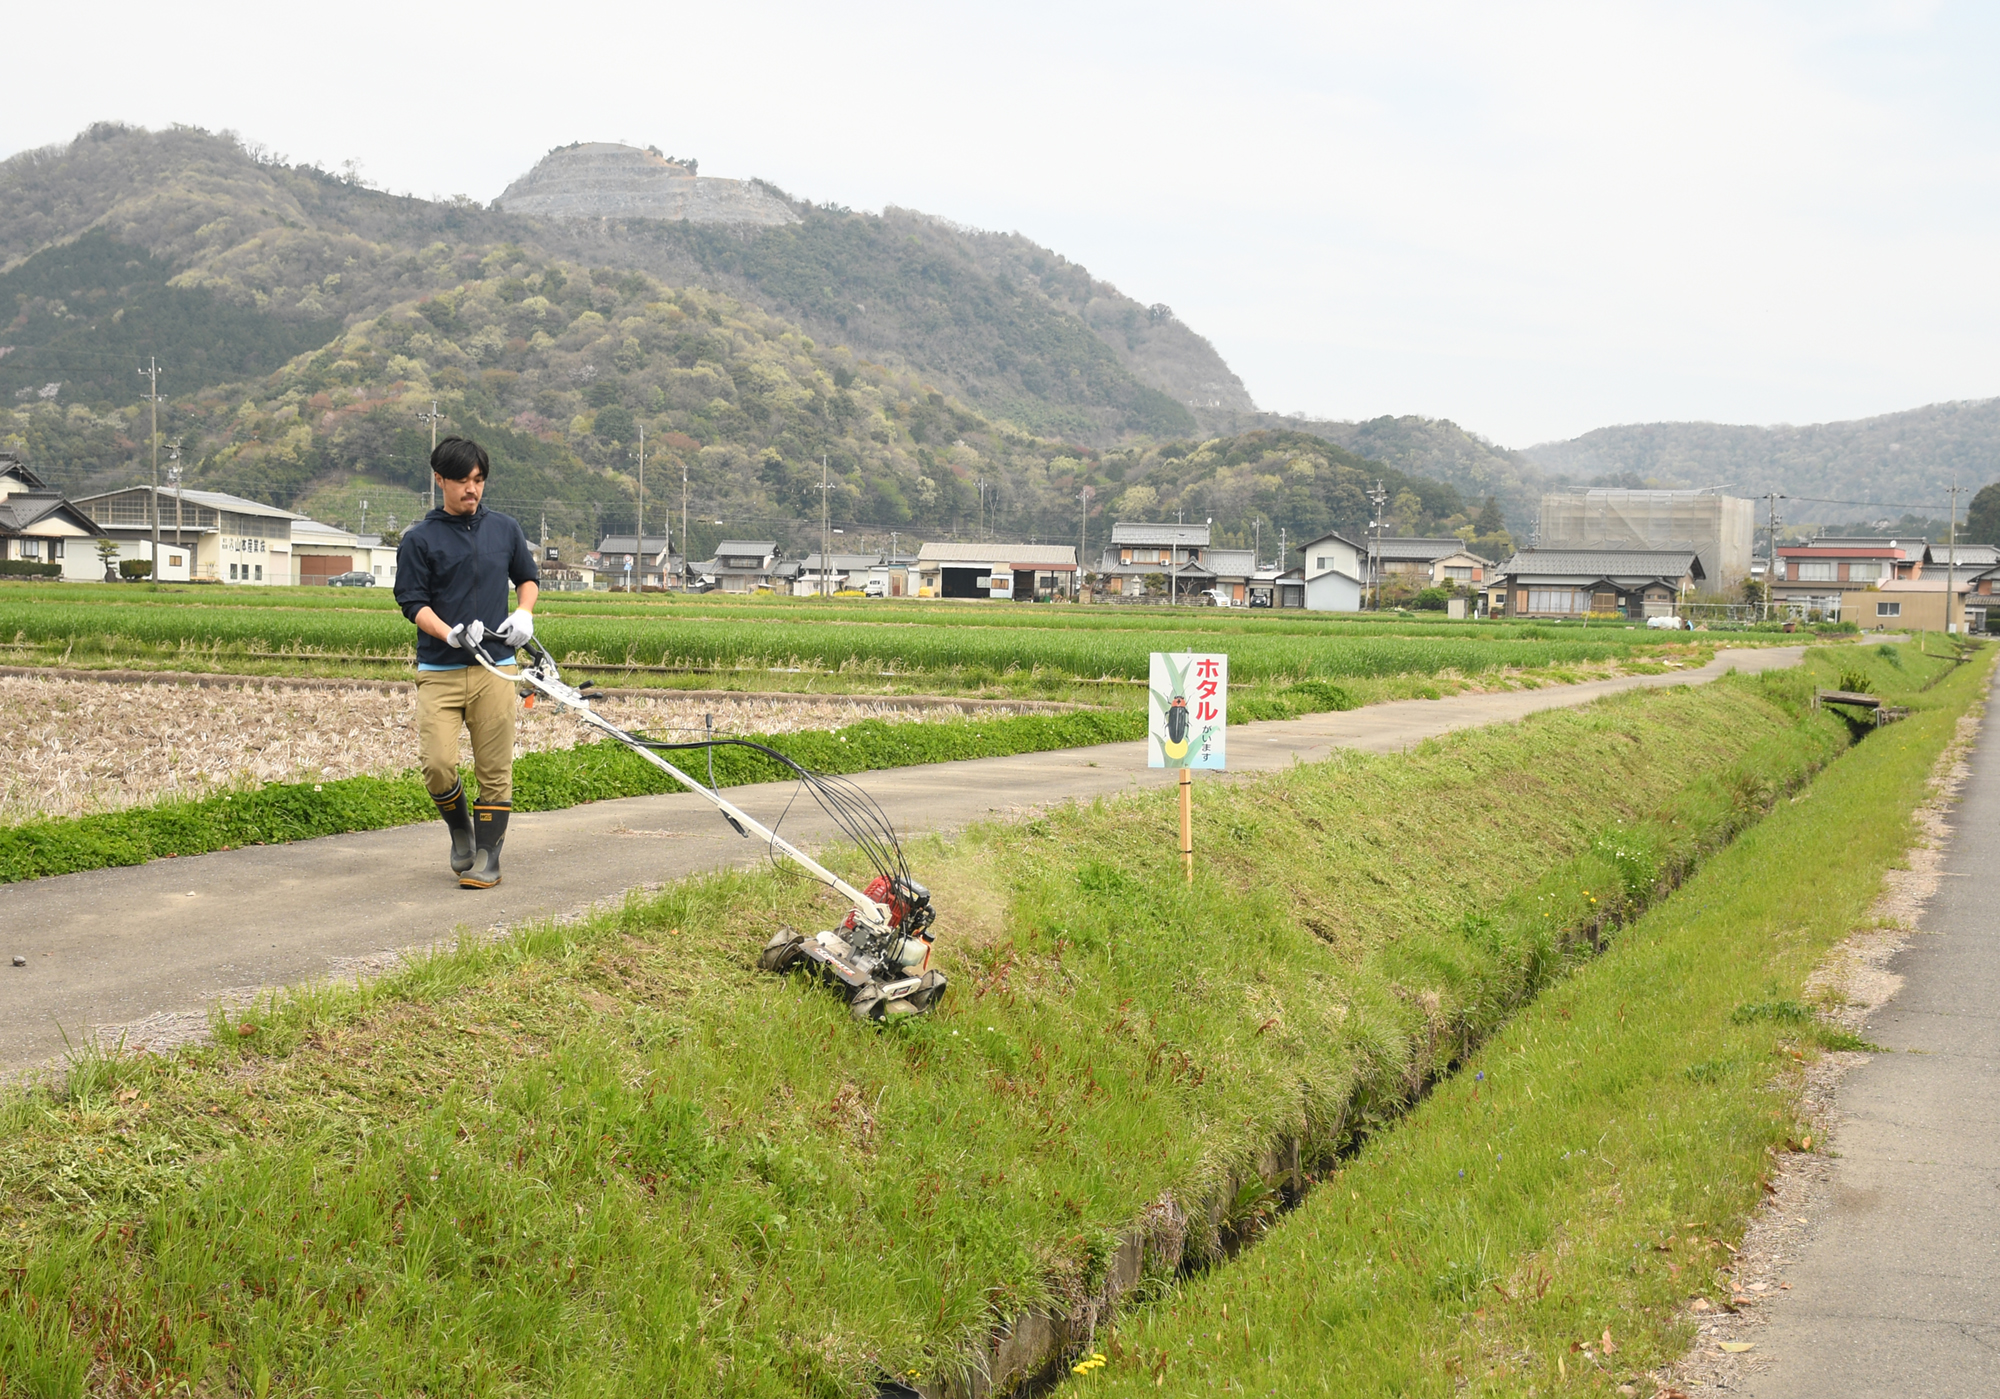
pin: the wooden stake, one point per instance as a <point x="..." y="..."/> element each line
<point x="1187" y="823"/>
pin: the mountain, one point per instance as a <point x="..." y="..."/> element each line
<point x="605" y="180"/>
<point x="1023" y="333"/>
<point x="1833" y="472"/>
<point x="950" y="379"/>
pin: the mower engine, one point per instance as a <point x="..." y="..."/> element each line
<point x="884" y="971"/>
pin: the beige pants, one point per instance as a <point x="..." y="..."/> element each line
<point x="477" y="700"/>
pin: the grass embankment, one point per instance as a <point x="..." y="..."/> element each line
<point x="1586" y="1171"/>
<point x="612" y="1158"/>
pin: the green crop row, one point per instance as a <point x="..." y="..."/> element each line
<point x="763" y="608"/>
<point x="673" y="640"/>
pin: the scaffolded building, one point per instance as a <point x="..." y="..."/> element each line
<point x="1718" y="528"/>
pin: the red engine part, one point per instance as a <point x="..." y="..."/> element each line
<point x="908" y="906"/>
<point x="883" y="891"/>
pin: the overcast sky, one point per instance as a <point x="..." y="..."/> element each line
<point x="1533" y="219"/>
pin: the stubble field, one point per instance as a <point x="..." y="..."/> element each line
<point x="76" y="747"/>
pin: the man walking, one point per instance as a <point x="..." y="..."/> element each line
<point x="453" y="570"/>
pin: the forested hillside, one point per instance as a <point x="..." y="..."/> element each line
<point x="304" y="321"/>
<point x="1897" y="461"/>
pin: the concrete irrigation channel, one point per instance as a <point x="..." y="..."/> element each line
<point x="141" y="952"/>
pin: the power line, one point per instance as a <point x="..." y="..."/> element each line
<point x="1869" y="504"/>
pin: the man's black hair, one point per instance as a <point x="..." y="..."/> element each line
<point x="458" y="457"/>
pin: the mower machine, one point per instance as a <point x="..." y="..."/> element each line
<point x="878" y="959"/>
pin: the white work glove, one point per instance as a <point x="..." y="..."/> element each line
<point x="467" y="634"/>
<point x="518" y="629"/>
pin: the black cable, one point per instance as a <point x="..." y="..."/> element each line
<point x="846" y="804"/>
<point x="858" y="816"/>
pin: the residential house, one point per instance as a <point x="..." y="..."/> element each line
<point x="1822" y="575"/>
<point x="817" y="575"/>
<point x="1428" y="563"/>
<point x="1023" y="572"/>
<point x="1332" y="572"/>
<point x="205" y="536"/>
<point x="651" y="561"/>
<point x="1979" y="566"/>
<point x="39" y="526"/>
<point x="1912" y="604"/>
<point x="743" y="565"/>
<point x="1631" y="583"/>
<point x="1287" y="587"/>
<point x="1176" y="555"/>
<point x="897" y="573"/>
<point x="1233" y="570"/>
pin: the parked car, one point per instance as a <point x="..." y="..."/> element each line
<point x="359" y="578"/>
<point x="876" y="587"/>
<point x="1217" y="597"/>
<point x="1665" y="624"/>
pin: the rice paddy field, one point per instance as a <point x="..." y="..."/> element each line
<point x="1039" y="648"/>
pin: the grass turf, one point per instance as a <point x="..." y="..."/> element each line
<point x="1581" y="1177"/>
<point x="611" y="1158"/>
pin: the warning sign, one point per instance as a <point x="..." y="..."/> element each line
<point x="1188" y="713"/>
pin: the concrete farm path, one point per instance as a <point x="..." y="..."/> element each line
<point x="144" y="950"/>
<point x="1896" y="1290"/>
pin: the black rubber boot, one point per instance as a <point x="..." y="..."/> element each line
<point x="489" y="833"/>
<point x="451" y="806"/>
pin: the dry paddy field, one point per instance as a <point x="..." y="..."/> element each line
<point x="75" y="747"/>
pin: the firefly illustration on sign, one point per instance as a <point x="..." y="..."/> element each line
<point x="1188" y="712"/>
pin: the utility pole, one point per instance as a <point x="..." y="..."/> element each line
<point x="824" y="537"/>
<point x="1771" y="558"/>
<point x="1282" y="549"/>
<point x="432" y="418"/>
<point x="1951" y="566"/>
<point x="364" y="517"/>
<point x="152" y="373"/>
<point x="640" y="541"/>
<point x="1380" y="499"/>
<point x="686" y="557"/>
<point x="1174" y="565"/>
<point x="1256" y="543"/>
<point x="1083" y="536"/>
<point x="174" y="480"/>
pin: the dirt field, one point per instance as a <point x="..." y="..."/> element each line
<point x="75" y="747"/>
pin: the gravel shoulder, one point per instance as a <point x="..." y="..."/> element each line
<point x="1870" y="1268"/>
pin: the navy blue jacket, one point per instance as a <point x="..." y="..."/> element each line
<point x="461" y="567"/>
